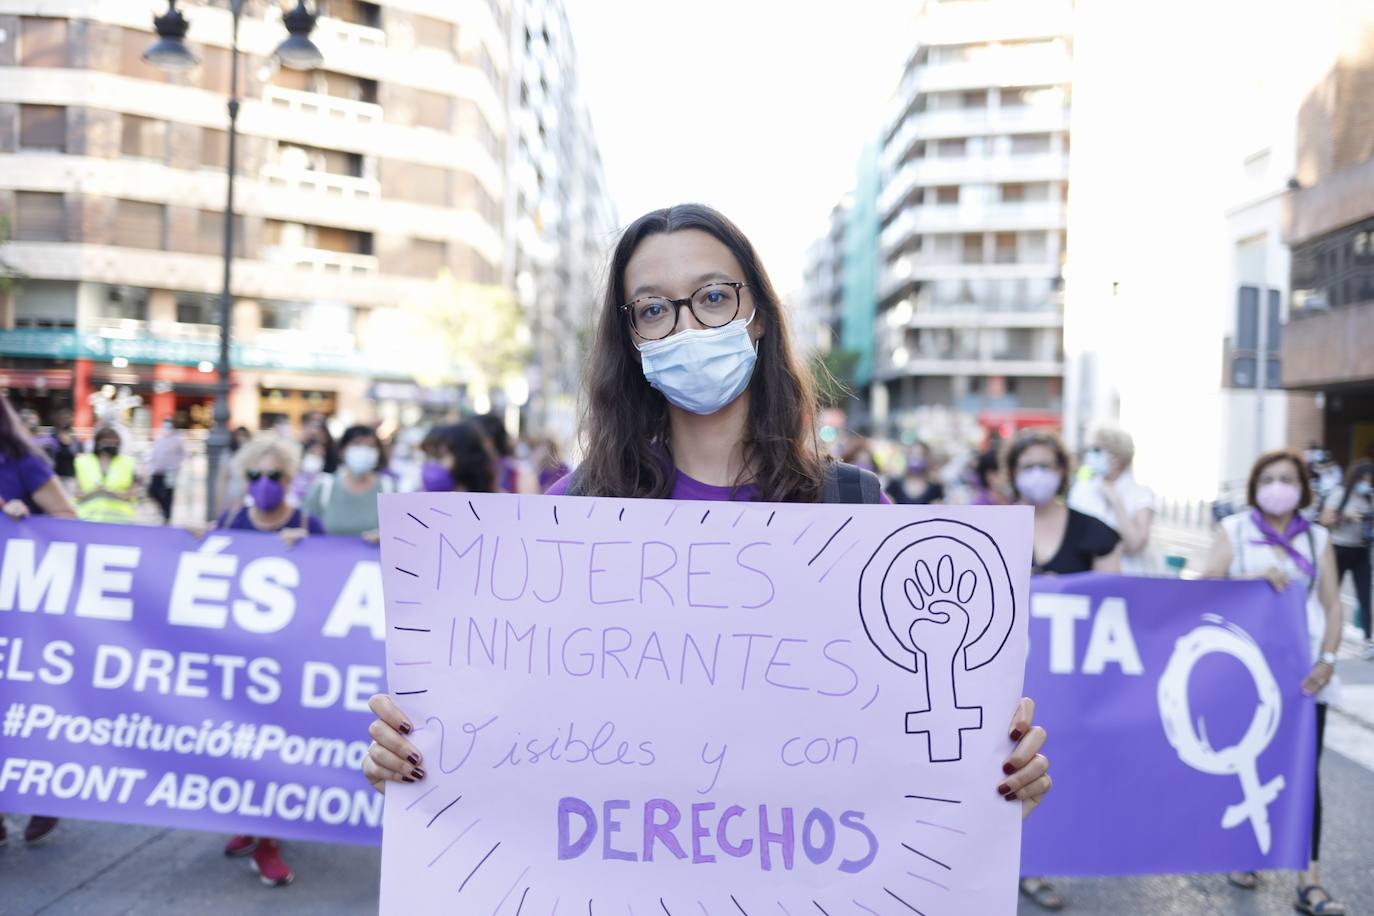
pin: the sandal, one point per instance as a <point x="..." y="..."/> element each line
<point x="1246" y="880"/>
<point x="1043" y="893"/>
<point x="1323" y="907"/>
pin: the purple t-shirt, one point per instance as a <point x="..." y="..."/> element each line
<point x="20" y="477"/>
<point x="685" y="487"/>
<point x="240" y="521"/>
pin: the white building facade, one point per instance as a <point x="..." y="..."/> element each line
<point x="975" y="167"/>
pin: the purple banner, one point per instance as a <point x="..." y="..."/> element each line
<point x="1180" y="739"/>
<point x="150" y="677"/>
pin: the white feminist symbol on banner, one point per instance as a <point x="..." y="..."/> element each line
<point x="1243" y="758"/>
<point x="936" y="599"/>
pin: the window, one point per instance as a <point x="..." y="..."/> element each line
<point x="139" y="224"/>
<point x="434" y="33"/>
<point x="123" y="303"/>
<point x="142" y="138"/>
<point x="432" y="110"/>
<point x="43" y="127"/>
<point x="358" y="12"/>
<point x="472" y="122"/>
<point x="42" y="42"/>
<point x="974" y="99"/>
<point x="950" y="148"/>
<point x="947" y="194"/>
<point x="421" y="184"/>
<point x="214" y="69"/>
<point x="281" y="316"/>
<point x="1030" y="144"/>
<point x="972" y="252"/>
<point x="214" y="148"/>
<point x="1013" y="193"/>
<point x="1004" y="251"/>
<point x="39" y="217"/>
<point x="422" y="258"/>
<point x="197" y="308"/>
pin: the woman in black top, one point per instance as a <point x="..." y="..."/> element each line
<point x="1066" y="541"/>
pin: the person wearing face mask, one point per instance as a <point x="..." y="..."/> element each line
<point x="694" y="392"/>
<point x="1349" y="512"/>
<point x="1066" y="542"/>
<point x="1272" y="540"/>
<point x="319" y="455"/>
<point x="105" y="481"/>
<point x="267" y="462"/>
<point x="164" y="464"/>
<point x="1110" y="493"/>
<point x="916" y="487"/>
<point x="459" y="458"/>
<point x="346" y="501"/>
<point x="990" y="487"/>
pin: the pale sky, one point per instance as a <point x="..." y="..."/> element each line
<point x="757" y="108"/>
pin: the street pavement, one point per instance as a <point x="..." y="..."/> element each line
<point x="97" y="868"/>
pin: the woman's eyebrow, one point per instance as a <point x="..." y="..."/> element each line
<point x="697" y="284"/>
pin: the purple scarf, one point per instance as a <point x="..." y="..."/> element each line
<point x="1296" y="526"/>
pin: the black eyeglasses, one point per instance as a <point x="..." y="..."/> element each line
<point x="713" y="306"/>
<point x="274" y="476"/>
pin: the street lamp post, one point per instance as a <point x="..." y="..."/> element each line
<point x="170" y="52"/>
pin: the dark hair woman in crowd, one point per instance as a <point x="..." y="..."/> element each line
<point x="693" y="392"/>
<point x="1349" y="512"/>
<point x="1270" y="539"/>
<point x="27" y="486"/>
<point x="459" y="456"/>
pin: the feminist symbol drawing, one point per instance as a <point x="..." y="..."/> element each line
<point x="936" y="600"/>
<point x="1194" y="748"/>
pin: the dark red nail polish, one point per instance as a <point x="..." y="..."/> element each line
<point x="1003" y="789"/>
<point x="418" y="773"/>
<point x="1008" y="768"/>
<point x="1011" y="797"/>
<point x="1016" y="735"/>
<point x="406" y="779"/>
<point x="405" y="728"/>
<point x="413" y="759"/>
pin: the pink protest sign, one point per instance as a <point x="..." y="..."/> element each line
<point x="640" y="707"/>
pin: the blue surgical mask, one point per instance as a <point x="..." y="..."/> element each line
<point x="701" y="371"/>
<point x="1095" y="460"/>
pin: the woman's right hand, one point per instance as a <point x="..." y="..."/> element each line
<point x="1277" y="578"/>
<point x="391" y="758"/>
<point x="16" y="509"/>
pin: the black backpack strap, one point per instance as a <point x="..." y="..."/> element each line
<point x="845" y="483"/>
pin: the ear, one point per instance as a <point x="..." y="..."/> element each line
<point x="759" y="326"/>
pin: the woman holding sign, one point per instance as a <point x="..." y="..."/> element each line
<point x="27" y="486"/>
<point x="694" y="392"/>
<point x="1272" y="540"/>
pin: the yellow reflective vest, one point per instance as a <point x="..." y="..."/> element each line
<point x="118" y="479"/>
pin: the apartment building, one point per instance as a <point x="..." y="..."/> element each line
<point x="974" y="171"/>
<point x="364" y="188"/>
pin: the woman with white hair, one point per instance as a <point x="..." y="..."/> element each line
<point x="1111" y="494"/>
<point x="269" y="463"/>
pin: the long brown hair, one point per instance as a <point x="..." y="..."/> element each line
<point x="625" y="421"/>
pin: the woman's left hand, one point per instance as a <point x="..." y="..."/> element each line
<point x="16" y="509"/>
<point x="1317" y="678"/>
<point x="372" y="537"/>
<point x="1028" y="776"/>
<point x="292" y="535"/>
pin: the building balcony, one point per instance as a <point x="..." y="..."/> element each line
<point x="920" y="364"/>
<point x="324" y="185"/>
<point x="1329" y="347"/>
<point x="1007" y="67"/>
<point x="337" y="33"/>
<point x="321" y="261"/>
<point x="1007" y="169"/>
<point x="973" y="122"/>
<point x="958" y="218"/>
<point x="911" y="269"/>
<point x="314" y="105"/>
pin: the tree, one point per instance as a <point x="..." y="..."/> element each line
<point x="469" y="333"/>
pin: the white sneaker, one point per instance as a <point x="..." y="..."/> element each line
<point x="1368" y="653"/>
